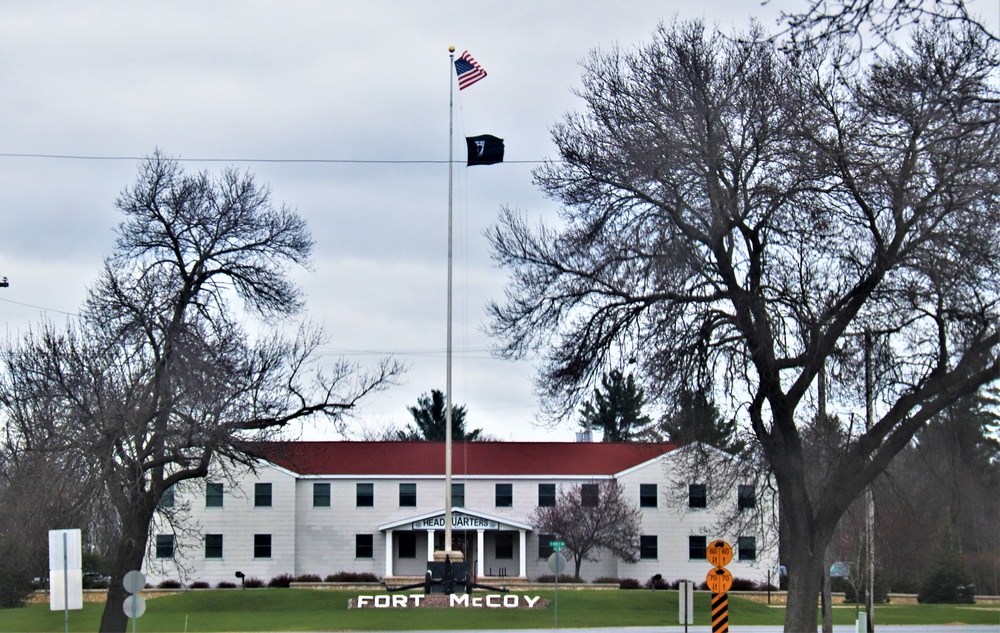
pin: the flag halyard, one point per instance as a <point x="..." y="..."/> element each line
<point x="469" y="71"/>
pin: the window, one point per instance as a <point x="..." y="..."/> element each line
<point x="164" y="545"/>
<point x="262" y="495"/>
<point x="365" y="495"/>
<point x="407" y="544"/>
<point x="747" y="546"/>
<point x="746" y="497"/>
<point x="364" y="546"/>
<point x="213" y="495"/>
<point x="505" y="495"/>
<point x="647" y="547"/>
<point x="697" y="496"/>
<point x="407" y="495"/>
<point x="321" y="495"/>
<point x="262" y="546"/>
<point x="647" y="495"/>
<point x="590" y="495"/>
<point x="697" y="546"/>
<point x="546" y="495"/>
<point x="167" y="498"/>
<point x="544" y="549"/>
<point x="213" y="546"/>
<point x="504" y="543"/>
<point x="458" y="495"/>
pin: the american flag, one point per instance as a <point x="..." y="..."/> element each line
<point x="469" y="71"/>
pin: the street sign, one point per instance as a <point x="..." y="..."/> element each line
<point x="719" y="553"/>
<point x="719" y="580"/>
<point x="134" y="581"/>
<point x="557" y="563"/>
<point x="134" y="607"/>
<point x="557" y="546"/>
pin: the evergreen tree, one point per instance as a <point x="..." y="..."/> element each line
<point x="696" y="418"/>
<point x="431" y="424"/>
<point x="617" y="411"/>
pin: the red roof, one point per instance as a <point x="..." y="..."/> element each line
<point x="468" y="458"/>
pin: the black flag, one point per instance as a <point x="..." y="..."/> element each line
<point x="484" y="149"/>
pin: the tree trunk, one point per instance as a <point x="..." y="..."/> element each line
<point x="805" y="582"/>
<point x="129" y="554"/>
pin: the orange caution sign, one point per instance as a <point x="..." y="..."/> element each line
<point x="719" y="553"/>
<point x="719" y="580"/>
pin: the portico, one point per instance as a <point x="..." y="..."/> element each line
<point x="472" y="532"/>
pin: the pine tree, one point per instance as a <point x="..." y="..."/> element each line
<point x="617" y="411"/>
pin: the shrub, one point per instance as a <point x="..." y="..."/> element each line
<point x="284" y="580"/>
<point x="350" y="576"/>
<point x="563" y="578"/>
<point x="308" y="578"/>
<point x="15" y="579"/>
<point x="253" y="583"/>
<point x="947" y="585"/>
<point x="657" y="582"/>
<point x="225" y="584"/>
<point x="170" y="584"/>
<point x="199" y="584"/>
<point x="629" y="583"/>
<point x="743" y="584"/>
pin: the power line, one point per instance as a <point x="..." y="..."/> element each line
<point x="327" y="161"/>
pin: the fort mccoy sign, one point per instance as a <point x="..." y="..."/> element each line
<point x="455" y="600"/>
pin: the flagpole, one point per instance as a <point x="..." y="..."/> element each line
<point x="447" y="400"/>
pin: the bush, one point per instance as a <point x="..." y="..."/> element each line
<point x="253" y="583"/>
<point x="947" y="585"/>
<point x="284" y="580"/>
<point x="170" y="584"/>
<point x="225" y="584"/>
<point x="743" y="584"/>
<point x="563" y="578"/>
<point x="657" y="583"/>
<point x="629" y="583"/>
<point x="308" y="578"/>
<point x="199" y="584"/>
<point x="15" y="580"/>
<point x="350" y="576"/>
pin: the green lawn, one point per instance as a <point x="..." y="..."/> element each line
<point x="298" y="610"/>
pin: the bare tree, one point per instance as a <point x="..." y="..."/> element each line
<point x="883" y="19"/>
<point x="591" y="517"/>
<point x="159" y="377"/>
<point x="736" y="214"/>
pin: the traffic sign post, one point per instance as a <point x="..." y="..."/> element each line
<point x="720" y="581"/>
<point x="557" y="563"/>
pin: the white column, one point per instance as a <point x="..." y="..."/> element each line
<point x="388" y="553"/>
<point x="523" y="553"/>
<point x="480" y="551"/>
<point x="430" y="545"/>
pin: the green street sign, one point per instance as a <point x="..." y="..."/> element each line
<point x="557" y="546"/>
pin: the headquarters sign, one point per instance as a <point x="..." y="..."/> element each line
<point x="458" y="520"/>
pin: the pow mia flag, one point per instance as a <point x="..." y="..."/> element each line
<point x="484" y="149"/>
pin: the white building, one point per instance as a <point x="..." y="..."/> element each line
<point x="324" y="507"/>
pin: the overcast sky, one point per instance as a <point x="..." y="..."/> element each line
<point x="310" y="80"/>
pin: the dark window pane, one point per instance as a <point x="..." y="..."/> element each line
<point x="504" y="542"/>
<point x="647" y="495"/>
<point x="546" y="495"/>
<point x="648" y="547"/>
<point x="698" y="496"/>
<point x="213" y="546"/>
<point x="458" y="495"/>
<point x="407" y="544"/>
<point x="262" y="546"/>
<point x="544" y="549"/>
<point x="364" y="546"/>
<point x="167" y="499"/>
<point x="365" y="495"/>
<point x="697" y="547"/>
<point x="746" y="498"/>
<point x="505" y="495"/>
<point x="262" y="495"/>
<point x="407" y="495"/>
<point x="164" y="545"/>
<point x="590" y="495"/>
<point x="321" y="495"/>
<point x="747" y="546"/>
<point x="213" y="495"/>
